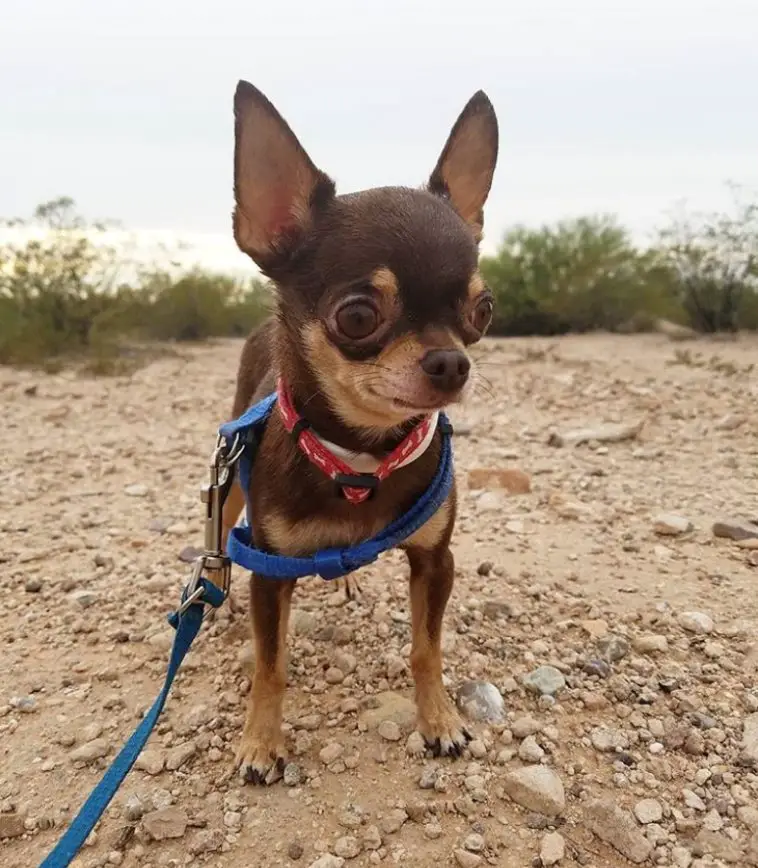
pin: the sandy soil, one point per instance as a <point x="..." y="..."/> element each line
<point x="648" y="726"/>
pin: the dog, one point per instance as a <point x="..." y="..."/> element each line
<point x="378" y="297"/>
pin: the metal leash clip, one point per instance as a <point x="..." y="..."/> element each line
<point x="214" y="563"/>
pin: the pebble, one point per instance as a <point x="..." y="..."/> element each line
<point x="474" y="843"/>
<point x="133" y="809"/>
<point x="151" y="761"/>
<point x="347" y="847"/>
<point x="331" y="752"/>
<point x="613" y="648"/>
<point x="328" y="861"/>
<point x="608" y="740"/>
<point x="179" y="755"/>
<point x="552" y="849"/>
<point x="750" y="738"/>
<point x="669" y="524"/>
<point x="295" y="851"/>
<point x="509" y="479"/>
<point x="389" y="730"/>
<point x="393" y="821"/>
<point x="465" y="859"/>
<point x="735" y="529"/>
<point x="696" y="622"/>
<point x="536" y="788"/>
<point x="529" y="751"/>
<point x="415" y="746"/>
<point x="481" y="701"/>
<point x="166" y="823"/>
<point x="650" y="644"/>
<point x="545" y="681"/>
<point x="91" y="751"/>
<point x="372" y="838"/>
<point x="292" y="775"/>
<point x="11" y="825"/>
<point x="82" y="598"/>
<point x="648" y="811"/>
<point x="33" y="586"/>
<point x="207" y="841"/>
<point x="617" y="827"/>
<point x="477" y="749"/>
<point x="138" y="489"/>
<point x="390" y="706"/>
<point x="524" y="726"/>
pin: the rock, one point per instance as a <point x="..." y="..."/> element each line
<point x="415" y="746"/>
<point x="545" y="681"/>
<point x="596" y="628"/>
<point x="465" y="859"/>
<point x="347" y="847"/>
<point x="608" y="740"/>
<point x="25" y="704"/>
<point x="693" y="800"/>
<point x="650" y="644"/>
<point x="133" y="809"/>
<point x="91" y="751"/>
<point x="617" y="827"/>
<point x="393" y="821"/>
<point x="477" y="748"/>
<point x="391" y="706"/>
<point x="669" y="524"/>
<point x="82" y="598"/>
<point x="179" y="755"/>
<point x="480" y="701"/>
<point x="613" y="648"/>
<point x="293" y="775"/>
<point x="328" y="861"/>
<point x="139" y="489"/>
<point x="608" y="433"/>
<point x="750" y="738"/>
<point x="648" y="811"/>
<point x="552" y="849"/>
<point x="536" y="788"/>
<point x="150" y="761"/>
<point x="735" y="529"/>
<point x="11" y="825"/>
<point x="474" y="843"/>
<point x="696" y="622"/>
<point x="331" y="752"/>
<point x="166" y="823"/>
<point x="189" y="554"/>
<point x="529" y="751"/>
<point x="334" y="675"/>
<point x="512" y="480"/>
<point x="372" y="839"/>
<point x="524" y="726"/>
<point x="389" y="730"/>
<point x="33" y="586"/>
<point x="207" y="841"/>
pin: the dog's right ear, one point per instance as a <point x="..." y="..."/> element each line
<point x="276" y="185"/>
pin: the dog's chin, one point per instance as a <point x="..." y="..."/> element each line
<point x="412" y="406"/>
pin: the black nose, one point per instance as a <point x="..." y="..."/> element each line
<point x="447" y="369"/>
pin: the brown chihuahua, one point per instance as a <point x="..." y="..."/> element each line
<point x="378" y="297"/>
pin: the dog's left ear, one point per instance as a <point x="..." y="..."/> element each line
<point x="464" y="171"/>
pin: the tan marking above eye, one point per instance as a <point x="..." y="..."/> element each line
<point x="385" y="282"/>
<point x="476" y="285"/>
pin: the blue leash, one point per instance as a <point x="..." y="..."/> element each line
<point x="244" y="433"/>
<point x="187" y="624"/>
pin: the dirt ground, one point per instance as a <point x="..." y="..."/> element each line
<point x="607" y="570"/>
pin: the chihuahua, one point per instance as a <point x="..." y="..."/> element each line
<point x="378" y="297"/>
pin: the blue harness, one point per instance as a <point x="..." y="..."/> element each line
<point x="243" y="437"/>
<point x="332" y="563"/>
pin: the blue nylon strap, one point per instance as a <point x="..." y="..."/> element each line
<point x="333" y="563"/>
<point x="187" y="626"/>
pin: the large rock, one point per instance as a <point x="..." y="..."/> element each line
<point x="166" y="823"/>
<point x="618" y="828"/>
<point x="481" y="701"/>
<point x="536" y="788"/>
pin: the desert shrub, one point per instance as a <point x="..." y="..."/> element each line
<point x="579" y="275"/>
<point x="715" y="259"/>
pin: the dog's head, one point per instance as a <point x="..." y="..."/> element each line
<point x="378" y="292"/>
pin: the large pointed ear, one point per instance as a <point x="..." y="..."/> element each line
<point x="276" y="186"/>
<point x="464" y="171"/>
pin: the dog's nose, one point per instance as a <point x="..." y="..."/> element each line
<point x="447" y="369"/>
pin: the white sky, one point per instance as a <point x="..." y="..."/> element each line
<point x="621" y="105"/>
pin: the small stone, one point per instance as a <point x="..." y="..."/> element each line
<point x="91" y="751"/>
<point x="613" y="648"/>
<point x="33" y="586"/>
<point x="331" y="752"/>
<point x="134" y="809"/>
<point x="536" y="788"/>
<point x="595" y="628"/>
<point x="524" y="726"/>
<point x="477" y="749"/>
<point x="328" y="861"/>
<point x="750" y="738"/>
<point x="179" y="755"/>
<point x="372" y="838"/>
<point x="390" y="706"/>
<point x="207" y="841"/>
<point x="693" y="800"/>
<point x="608" y="740"/>
<point x="389" y="730"/>
<point x="552" y="849"/>
<point x="512" y="480"/>
<point x="696" y="622"/>
<point x="293" y="775"/>
<point x="597" y="668"/>
<point x="334" y="675"/>
<point x="82" y="598"/>
<point x="11" y="825"/>
<point x="481" y="701"/>
<point x="545" y="681"/>
<point x="415" y="746"/>
<point x="735" y="529"/>
<point x="669" y="524"/>
<point x="138" y="489"/>
<point x="166" y="823"/>
<point x="474" y="843"/>
<point x="24" y="704"/>
<point x="393" y="821"/>
<point x="428" y="779"/>
<point x="650" y="644"/>
<point x="347" y="847"/>
<point x="432" y="830"/>
<point x="648" y="811"/>
<point x="529" y="751"/>
<point x="616" y="827"/>
<point x="466" y="860"/>
<point x="302" y="623"/>
<point x="189" y="554"/>
<point x="150" y="761"/>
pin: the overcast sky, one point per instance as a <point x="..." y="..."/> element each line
<point x="619" y="105"/>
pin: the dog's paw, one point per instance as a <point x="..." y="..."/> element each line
<point x="261" y="761"/>
<point x="444" y="733"/>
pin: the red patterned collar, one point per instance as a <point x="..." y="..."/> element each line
<point x="356" y="485"/>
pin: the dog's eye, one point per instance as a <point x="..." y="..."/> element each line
<point x="357" y="320"/>
<point x="481" y="316"/>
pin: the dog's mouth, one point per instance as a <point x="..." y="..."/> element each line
<point x="416" y="407"/>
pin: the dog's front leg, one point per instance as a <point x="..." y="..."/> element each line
<point x="432" y="573"/>
<point x="261" y="753"/>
